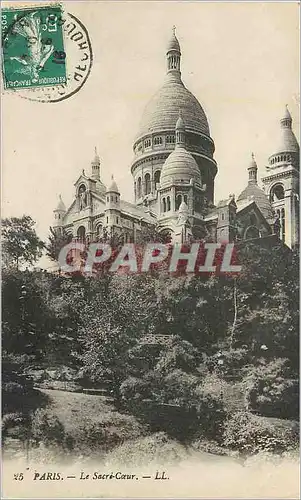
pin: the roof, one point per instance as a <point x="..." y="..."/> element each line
<point x="180" y="166"/>
<point x="113" y="187"/>
<point x="136" y="211"/>
<point x="173" y="44"/>
<point x="287" y="142"/>
<point x="254" y="193"/>
<point x="162" y="111"/>
<point x="226" y="202"/>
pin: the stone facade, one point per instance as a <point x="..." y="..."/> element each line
<point x="173" y="176"/>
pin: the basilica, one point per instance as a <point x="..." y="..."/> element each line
<point x="173" y="174"/>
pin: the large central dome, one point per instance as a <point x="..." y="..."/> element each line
<point x="156" y="138"/>
<point x="162" y="112"/>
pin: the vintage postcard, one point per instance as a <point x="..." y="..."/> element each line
<point x="150" y="249"/>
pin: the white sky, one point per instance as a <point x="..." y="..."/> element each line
<point x="241" y="60"/>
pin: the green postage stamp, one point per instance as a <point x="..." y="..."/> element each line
<point x="33" y="47"/>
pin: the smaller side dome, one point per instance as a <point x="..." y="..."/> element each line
<point x="180" y="166"/>
<point x="113" y="187"/>
<point x="60" y="206"/>
<point x="286" y="142"/>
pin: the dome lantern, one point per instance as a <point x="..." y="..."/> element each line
<point x="286" y="121"/>
<point x="252" y="169"/>
<point x="180" y="131"/>
<point x="95" y="164"/>
<point x="173" y="54"/>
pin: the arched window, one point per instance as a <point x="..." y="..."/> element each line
<point x="276" y="193"/>
<point x="282" y="224"/>
<point x="157" y="141"/>
<point x="178" y="201"/>
<point x="98" y="230"/>
<point x="168" y="203"/>
<point x="157" y="177"/>
<point x="170" y="139"/>
<point x="139" y="188"/>
<point x="82" y="196"/>
<point x="164" y="204"/>
<point x="147" y="181"/>
<point x="186" y="199"/>
<point x="252" y="232"/>
<point x="81" y="232"/>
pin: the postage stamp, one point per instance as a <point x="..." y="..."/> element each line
<point x="33" y="47"/>
<point x="47" y="53"/>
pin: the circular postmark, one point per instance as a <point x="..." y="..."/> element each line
<point x="68" y="66"/>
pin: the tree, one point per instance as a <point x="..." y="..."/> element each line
<point x="57" y="240"/>
<point x="21" y="244"/>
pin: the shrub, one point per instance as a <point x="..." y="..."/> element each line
<point x="271" y="391"/>
<point x="110" y="430"/>
<point x="251" y="434"/>
<point x="133" y="389"/>
<point x="179" y="387"/>
<point x="211" y="414"/>
<point x="155" y="449"/>
<point x="13" y="388"/>
<point x="11" y="420"/>
<point x="228" y="363"/>
<point x="47" y="428"/>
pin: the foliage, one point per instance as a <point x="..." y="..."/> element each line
<point x="155" y="449"/>
<point x="21" y="245"/>
<point x="109" y="430"/>
<point x="271" y="391"/>
<point x="56" y="241"/>
<point x="47" y="428"/>
<point x="250" y="434"/>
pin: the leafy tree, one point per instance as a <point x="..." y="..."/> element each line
<point x="25" y="318"/>
<point x="56" y="241"/>
<point x="21" y="245"/>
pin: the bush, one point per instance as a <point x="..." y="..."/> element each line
<point x="13" y="388"/>
<point x="155" y="449"/>
<point x="211" y="414"/>
<point x="251" y="434"/>
<point x="111" y="430"/>
<point x="228" y="363"/>
<point x="271" y="391"/>
<point x="133" y="389"/>
<point x="47" y="428"/>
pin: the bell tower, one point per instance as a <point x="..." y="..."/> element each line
<point x="281" y="183"/>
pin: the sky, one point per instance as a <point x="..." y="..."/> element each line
<point x="241" y="61"/>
